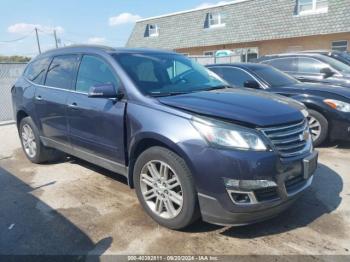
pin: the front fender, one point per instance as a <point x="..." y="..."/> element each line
<point x="147" y="127"/>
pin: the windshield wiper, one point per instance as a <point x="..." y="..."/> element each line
<point x="168" y="94"/>
<point x="175" y="93"/>
<point x="216" y="88"/>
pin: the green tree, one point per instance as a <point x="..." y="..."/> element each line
<point x="14" y="59"/>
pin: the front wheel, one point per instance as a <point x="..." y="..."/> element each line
<point x="165" y="188"/>
<point x="318" y="127"/>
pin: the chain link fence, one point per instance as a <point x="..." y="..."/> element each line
<point x="9" y="72"/>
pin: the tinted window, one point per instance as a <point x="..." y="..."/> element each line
<point x="337" y="65"/>
<point x="233" y="76"/>
<point x="274" y="77"/>
<point x="36" y="70"/>
<point x="284" y="64"/>
<point x="61" y="73"/>
<point x="310" y="66"/>
<point x="159" y="74"/>
<point x="94" y="71"/>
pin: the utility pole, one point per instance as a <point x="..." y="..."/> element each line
<point x="37" y="39"/>
<point x="55" y="35"/>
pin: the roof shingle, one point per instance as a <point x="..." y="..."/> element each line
<point x="247" y="21"/>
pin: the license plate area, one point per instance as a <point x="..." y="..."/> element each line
<point x="310" y="165"/>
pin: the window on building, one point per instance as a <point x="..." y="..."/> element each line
<point x="340" y="45"/>
<point x="36" y="70"/>
<point x="94" y="71"/>
<point x="312" y="6"/>
<point x="216" y="19"/>
<point x="61" y="73"/>
<point x="208" y="53"/>
<point x="153" y="30"/>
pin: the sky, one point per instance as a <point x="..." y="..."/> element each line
<point x="107" y="22"/>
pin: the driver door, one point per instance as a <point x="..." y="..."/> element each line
<point x="96" y="124"/>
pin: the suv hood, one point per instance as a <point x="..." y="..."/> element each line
<point x="318" y="87"/>
<point x="255" y="108"/>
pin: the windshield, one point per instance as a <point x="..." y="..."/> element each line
<point x="336" y="64"/>
<point x="167" y="74"/>
<point x="274" y="77"/>
<point x="344" y="55"/>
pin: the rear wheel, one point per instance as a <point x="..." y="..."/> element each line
<point x="32" y="146"/>
<point x="165" y="188"/>
<point x="318" y="127"/>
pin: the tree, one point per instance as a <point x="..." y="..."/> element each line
<point x="14" y="59"/>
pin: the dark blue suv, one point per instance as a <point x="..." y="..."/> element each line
<point x="190" y="145"/>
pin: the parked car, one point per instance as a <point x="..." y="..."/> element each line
<point x="328" y="106"/>
<point x="342" y="56"/>
<point x="189" y="145"/>
<point x="311" y="67"/>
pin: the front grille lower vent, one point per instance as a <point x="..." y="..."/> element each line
<point x="289" y="140"/>
<point x="294" y="183"/>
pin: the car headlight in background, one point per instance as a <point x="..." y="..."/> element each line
<point x="228" y="135"/>
<point x="338" y="105"/>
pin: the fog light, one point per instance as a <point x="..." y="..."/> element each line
<point x="248" y="185"/>
<point x="240" y="198"/>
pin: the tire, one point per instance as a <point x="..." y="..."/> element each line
<point x="42" y="154"/>
<point x="176" y="168"/>
<point x="318" y="127"/>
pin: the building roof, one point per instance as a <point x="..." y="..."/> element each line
<point x="246" y="21"/>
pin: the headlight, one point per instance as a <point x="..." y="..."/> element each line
<point x="338" y="105"/>
<point x="227" y="135"/>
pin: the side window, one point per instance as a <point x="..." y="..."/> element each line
<point x="176" y="69"/>
<point x="235" y="77"/>
<point x="36" y="70"/>
<point x="61" y="73"/>
<point x="94" y="71"/>
<point x="284" y="64"/>
<point x="310" y="66"/>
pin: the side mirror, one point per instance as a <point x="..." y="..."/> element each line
<point x="251" y="84"/>
<point x="103" y="91"/>
<point x="327" y="72"/>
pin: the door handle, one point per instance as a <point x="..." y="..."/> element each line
<point x="39" y="98"/>
<point x="73" y="105"/>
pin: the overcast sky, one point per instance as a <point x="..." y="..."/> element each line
<point x="106" y="22"/>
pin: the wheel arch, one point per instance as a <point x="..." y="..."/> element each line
<point x="21" y="113"/>
<point x="144" y="141"/>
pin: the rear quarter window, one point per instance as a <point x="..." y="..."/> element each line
<point x="36" y="70"/>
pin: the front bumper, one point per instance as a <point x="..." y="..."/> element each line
<point x="212" y="166"/>
<point x="213" y="212"/>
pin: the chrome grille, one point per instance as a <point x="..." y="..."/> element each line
<point x="288" y="139"/>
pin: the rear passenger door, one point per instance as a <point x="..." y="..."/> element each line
<point x="96" y="125"/>
<point x="51" y="99"/>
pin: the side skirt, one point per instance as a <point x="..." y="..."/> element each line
<point x="91" y="158"/>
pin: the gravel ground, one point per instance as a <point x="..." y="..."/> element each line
<point x="73" y="207"/>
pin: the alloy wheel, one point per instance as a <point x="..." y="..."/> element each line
<point x="161" y="189"/>
<point x="28" y="140"/>
<point x="315" y="127"/>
